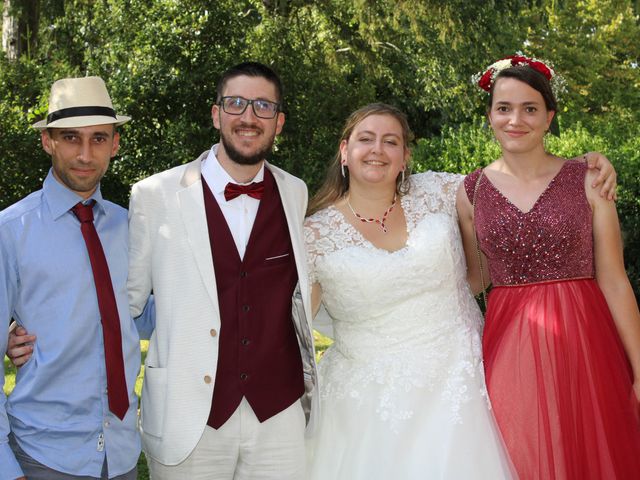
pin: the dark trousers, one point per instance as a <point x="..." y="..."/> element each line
<point x="35" y="470"/>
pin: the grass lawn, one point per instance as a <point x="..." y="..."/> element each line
<point x="143" y="473"/>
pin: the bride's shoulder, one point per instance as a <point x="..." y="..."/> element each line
<point x="320" y="217"/>
<point x="434" y="180"/>
<point x="431" y="183"/>
<point x="326" y="231"/>
<point x="322" y="222"/>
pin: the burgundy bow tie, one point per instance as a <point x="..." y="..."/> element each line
<point x="233" y="190"/>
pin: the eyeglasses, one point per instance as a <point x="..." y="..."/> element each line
<point x="261" y="108"/>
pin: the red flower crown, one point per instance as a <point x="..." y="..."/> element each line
<point x="484" y="80"/>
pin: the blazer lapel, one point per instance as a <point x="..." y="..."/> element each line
<point x="191" y="201"/>
<point x="292" y="205"/>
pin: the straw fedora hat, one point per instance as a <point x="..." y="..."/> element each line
<point x="80" y="102"/>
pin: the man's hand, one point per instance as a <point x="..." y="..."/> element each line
<point x="20" y="346"/>
<point x="607" y="176"/>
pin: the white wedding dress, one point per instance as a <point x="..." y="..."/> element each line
<point x="402" y="387"/>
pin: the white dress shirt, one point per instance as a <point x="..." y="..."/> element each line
<point x="240" y="212"/>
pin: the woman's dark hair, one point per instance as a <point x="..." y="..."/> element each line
<point x="531" y="77"/>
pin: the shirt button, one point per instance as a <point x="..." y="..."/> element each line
<point x="213" y="332"/>
<point x="106" y="423"/>
<point x="245" y="341"/>
<point x="243" y="376"/>
<point x="207" y="379"/>
<point x="246" y="308"/>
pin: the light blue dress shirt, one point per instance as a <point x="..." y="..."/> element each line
<point x="59" y="411"/>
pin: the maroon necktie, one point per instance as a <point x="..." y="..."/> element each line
<point x="116" y="380"/>
<point x="233" y="190"/>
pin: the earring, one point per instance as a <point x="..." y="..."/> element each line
<point x="342" y="170"/>
<point x="402" y="178"/>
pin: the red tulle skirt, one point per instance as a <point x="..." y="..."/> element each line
<point x="560" y="383"/>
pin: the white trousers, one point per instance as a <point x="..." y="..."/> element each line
<point x="245" y="449"/>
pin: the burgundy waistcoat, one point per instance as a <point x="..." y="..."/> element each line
<point x="258" y="353"/>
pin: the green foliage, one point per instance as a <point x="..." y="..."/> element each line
<point x="595" y="44"/>
<point x="143" y="469"/>
<point x="9" y="376"/>
<point x="459" y="149"/>
<point x="22" y="163"/>
<point x="162" y="58"/>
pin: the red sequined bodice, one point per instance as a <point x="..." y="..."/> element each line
<point x="552" y="241"/>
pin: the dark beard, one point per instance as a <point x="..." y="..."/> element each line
<point x="241" y="159"/>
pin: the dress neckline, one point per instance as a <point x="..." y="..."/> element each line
<point x="364" y="241"/>
<point x="538" y="200"/>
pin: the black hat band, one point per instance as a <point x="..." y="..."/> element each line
<point x="80" y="112"/>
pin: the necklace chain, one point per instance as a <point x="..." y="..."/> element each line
<point x="379" y="221"/>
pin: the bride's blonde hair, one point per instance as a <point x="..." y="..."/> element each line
<point x="336" y="186"/>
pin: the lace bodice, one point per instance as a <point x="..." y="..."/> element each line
<point x="401" y="319"/>
<point x="552" y="241"/>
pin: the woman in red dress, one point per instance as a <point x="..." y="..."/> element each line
<point x="562" y="334"/>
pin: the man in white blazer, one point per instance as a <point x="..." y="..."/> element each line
<point x="230" y="376"/>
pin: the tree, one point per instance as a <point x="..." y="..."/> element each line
<point x="10" y="31"/>
<point x="20" y="21"/>
<point x="161" y="60"/>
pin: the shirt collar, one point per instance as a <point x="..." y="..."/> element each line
<point x="60" y="199"/>
<point x="217" y="177"/>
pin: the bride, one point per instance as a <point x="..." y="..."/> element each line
<point x="402" y="387"/>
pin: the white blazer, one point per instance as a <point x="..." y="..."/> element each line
<point x="170" y="255"/>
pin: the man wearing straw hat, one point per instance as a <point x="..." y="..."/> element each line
<point x="63" y="273"/>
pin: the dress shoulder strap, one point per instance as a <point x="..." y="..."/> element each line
<point x="470" y="183"/>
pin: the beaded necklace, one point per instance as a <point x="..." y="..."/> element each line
<point x="379" y="221"/>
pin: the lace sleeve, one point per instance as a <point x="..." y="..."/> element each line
<point x="311" y="237"/>
<point x="436" y="191"/>
<point x="324" y="233"/>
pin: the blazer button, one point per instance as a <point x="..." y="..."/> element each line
<point x="207" y="379"/>
<point x="245" y="341"/>
<point x="243" y="274"/>
<point x="243" y="376"/>
<point x="213" y="332"/>
<point x="246" y="308"/>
